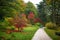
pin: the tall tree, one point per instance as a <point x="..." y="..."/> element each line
<point x="54" y="6"/>
<point x="21" y="5"/>
<point x="41" y="9"/>
<point x="31" y="8"/>
<point x="11" y="7"/>
<point x="51" y="8"/>
<point x="6" y="8"/>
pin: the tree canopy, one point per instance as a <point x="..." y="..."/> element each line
<point x="11" y="7"/>
<point x="31" y="8"/>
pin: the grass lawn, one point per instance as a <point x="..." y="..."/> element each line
<point x="27" y="34"/>
<point x="51" y="33"/>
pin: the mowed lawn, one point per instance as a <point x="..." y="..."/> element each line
<point x="27" y="34"/>
<point x="52" y="34"/>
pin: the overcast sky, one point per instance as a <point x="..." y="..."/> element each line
<point x="34" y="1"/>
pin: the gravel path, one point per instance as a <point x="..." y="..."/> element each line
<point x="41" y="35"/>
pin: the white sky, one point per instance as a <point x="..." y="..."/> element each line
<point x="34" y="1"/>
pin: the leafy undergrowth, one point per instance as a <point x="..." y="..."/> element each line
<point x="27" y="34"/>
<point x="52" y="34"/>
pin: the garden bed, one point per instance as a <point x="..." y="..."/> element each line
<point x="27" y="34"/>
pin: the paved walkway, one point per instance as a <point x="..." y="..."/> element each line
<point x="41" y="35"/>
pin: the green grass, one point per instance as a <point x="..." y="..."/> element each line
<point x="52" y="34"/>
<point x="27" y="34"/>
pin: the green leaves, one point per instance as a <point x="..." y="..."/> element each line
<point x="9" y="8"/>
<point x="31" y="8"/>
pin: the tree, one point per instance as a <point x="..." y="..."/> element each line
<point x="24" y="17"/>
<point x="9" y="8"/>
<point x="52" y="9"/>
<point x="31" y="8"/>
<point x="6" y="8"/>
<point x="21" y="5"/>
<point x="41" y="10"/>
<point x="55" y="11"/>
<point x="54" y="6"/>
<point x="31" y="17"/>
<point x="18" y="22"/>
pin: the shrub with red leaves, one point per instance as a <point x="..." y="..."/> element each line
<point x="18" y="23"/>
<point x="36" y="20"/>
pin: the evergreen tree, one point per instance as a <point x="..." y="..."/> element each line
<point x="41" y="9"/>
<point x="54" y="6"/>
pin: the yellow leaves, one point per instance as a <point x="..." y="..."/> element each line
<point x="16" y="28"/>
<point x="21" y="9"/>
<point x="14" y="11"/>
<point x="50" y="25"/>
<point x="8" y="18"/>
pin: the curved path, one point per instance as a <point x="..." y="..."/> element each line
<point x="41" y="35"/>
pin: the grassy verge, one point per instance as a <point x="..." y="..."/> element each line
<point x="27" y="34"/>
<point x="52" y="34"/>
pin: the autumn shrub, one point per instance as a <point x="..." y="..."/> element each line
<point x="18" y="22"/>
<point x="38" y="20"/>
<point x="51" y="25"/>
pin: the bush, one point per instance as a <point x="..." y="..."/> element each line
<point x="51" y="25"/>
<point x="37" y="24"/>
<point x="58" y="31"/>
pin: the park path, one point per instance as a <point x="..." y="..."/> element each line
<point x="41" y="35"/>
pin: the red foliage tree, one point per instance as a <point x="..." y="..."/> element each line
<point x="18" y="23"/>
<point x="31" y="15"/>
